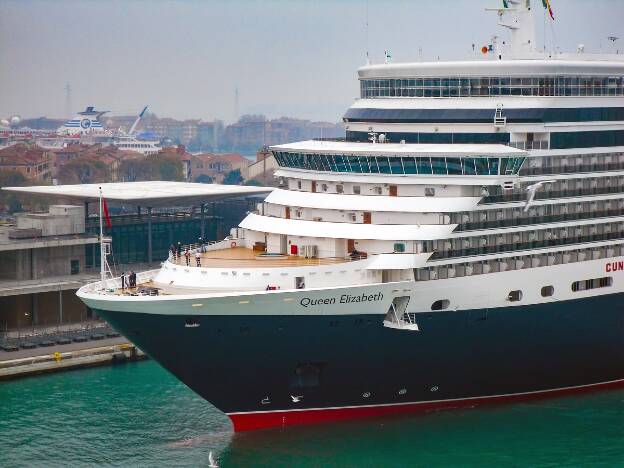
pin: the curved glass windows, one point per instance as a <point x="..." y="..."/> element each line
<point x="493" y="86"/>
<point x="400" y="165"/>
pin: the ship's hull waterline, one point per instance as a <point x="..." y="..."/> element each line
<point x="280" y="370"/>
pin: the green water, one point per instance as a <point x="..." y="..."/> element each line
<point x="138" y="415"/>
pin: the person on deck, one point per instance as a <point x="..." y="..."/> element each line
<point x="198" y="258"/>
<point x="187" y="255"/>
<point x="123" y="280"/>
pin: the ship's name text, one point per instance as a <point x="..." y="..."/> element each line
<point x="614" y="266"/>
<point x="343" y="299"/>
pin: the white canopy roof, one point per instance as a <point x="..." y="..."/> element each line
<point x="295" y="227"/>
<point x="150" y="194"/>
<point x="389" y="149"/>
<point x="398" y="261"/>
<point x="332" y="201"/>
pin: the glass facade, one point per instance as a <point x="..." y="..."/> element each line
<point x="493" y="86"/>
<point x="539" y="115"/>
<point x="600" y="138"/>
<point x="433" y="138"/>
<point x="401" y="165"/>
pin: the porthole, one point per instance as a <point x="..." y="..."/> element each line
<point x="440" y="304"/>
<point x="547" y="291"/>
<point x="514" y="296"/>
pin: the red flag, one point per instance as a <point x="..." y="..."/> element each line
<point x="106" y="215"/>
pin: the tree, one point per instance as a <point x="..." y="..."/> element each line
<point x="233" y="177"/>
<point x="253" y="182"/>
<point x="11" y="201"/>
<point x="157" y="167"/>
<point x="166" y="168"/>
<point x="204" y="179"/>
<point x="84" y="170"/>
<point x="131" y="169"/>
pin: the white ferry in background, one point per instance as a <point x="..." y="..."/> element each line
<point x="144" y="143"/>
<point x="476" y="255"/>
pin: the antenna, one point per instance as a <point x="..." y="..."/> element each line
<point x="236" y="103"/>
<point x="366" y="30"/>
<point x="68" y="103"/>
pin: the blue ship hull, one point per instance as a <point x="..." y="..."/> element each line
<point x="279" y="370"/>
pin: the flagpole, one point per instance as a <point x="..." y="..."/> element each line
<point x="102" y="252"/>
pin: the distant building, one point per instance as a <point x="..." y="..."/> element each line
<point x="255" y="131"/>
<point x="33" y="162"/>
<point x="216" y="166"/>
<point x="263" y="169"/>
<point x="110" y="155"/>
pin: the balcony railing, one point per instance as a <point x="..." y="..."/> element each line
<point x="518" y="246"/>
<point x="552" y="218"/>
<point x="530" y="145"/>
<point x="513" y="197"/>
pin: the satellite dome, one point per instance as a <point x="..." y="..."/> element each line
<point x="5" y="123"/>
<point x="16" y="119"/>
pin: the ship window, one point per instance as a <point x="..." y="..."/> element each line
<point x="595" y="283"/>
<point x="324" y="187"/>
<point x="547" y="291"/>
<point x="356" y="189"/>
<point x="299" y="184"/>
<point x="429" y="192"/>
<point x="514" y="296"/>
<point x="307" y="375"/>
<point x="440" y="304"/>
<point x="339" y="188"/>
<point x="399" y="247"/>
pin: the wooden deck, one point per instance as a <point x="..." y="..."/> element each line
<point x="240" y="257"/>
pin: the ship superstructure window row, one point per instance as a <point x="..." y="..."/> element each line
<point x="523" y="240"/>
<point x="573" y="164"/>
<point x="519" y="262"/>
<point x="531" y="115"/>
<point x="491" y="219"/>
<point x="558" y="140"/>
<point x="426" y="138"/>
<point x="493" y="86"/>
<point x="401" y="165"/>
<point x="559" y="189"/>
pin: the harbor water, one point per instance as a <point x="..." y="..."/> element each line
<point x="138" y="415"/>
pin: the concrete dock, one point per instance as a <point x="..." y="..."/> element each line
<point x="29" y="362"/>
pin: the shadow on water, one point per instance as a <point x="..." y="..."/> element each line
<point x="139" y="415"/>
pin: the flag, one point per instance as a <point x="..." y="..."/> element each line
<point x="546" y="4"/>
<point x="106" y="215"/>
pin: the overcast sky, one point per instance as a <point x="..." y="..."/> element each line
<point x="287" y="57"/>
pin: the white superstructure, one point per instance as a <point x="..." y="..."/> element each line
<point x="460" y="172"/>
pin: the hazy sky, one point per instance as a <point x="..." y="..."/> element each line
<point x="287" y="57"/>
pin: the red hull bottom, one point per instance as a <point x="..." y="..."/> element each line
<point x="265" y="420"/>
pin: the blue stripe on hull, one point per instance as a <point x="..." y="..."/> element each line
<point x="235" y="362"/>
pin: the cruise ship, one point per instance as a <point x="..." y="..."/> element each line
<point x="464" y="245"/>
<point x="86" y="127"/>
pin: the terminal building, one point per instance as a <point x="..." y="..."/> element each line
<point x="46" y="257"/>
